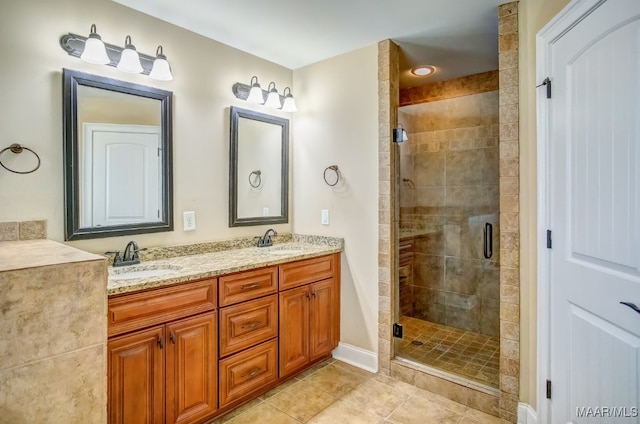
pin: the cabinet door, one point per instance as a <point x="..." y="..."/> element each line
<point x="192" y="368"/>
<point x="294" y="329"/>
<point x="322" y="318"/>
<point x="136" y="377"/>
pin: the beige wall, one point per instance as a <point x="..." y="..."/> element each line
<point x="31" y="105"/>
<point x="534" y="14"/>
<point x="337" y="124"/>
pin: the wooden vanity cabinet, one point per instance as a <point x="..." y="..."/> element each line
<point x="187" y="353"/>
<point x="166" y="373"/>
<point x="309" y="313"/>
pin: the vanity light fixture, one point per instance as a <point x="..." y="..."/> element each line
<point x="399" y="134"/>
<point x="289" y="104"/>
<point x="129" y="60"/>
<point x="255" y="94"/>
<point x="94" y="50"/>
<point x="161" y="69"/>
<point x="273" y="98"/>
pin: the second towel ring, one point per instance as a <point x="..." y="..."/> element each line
<point x="335" y="169"/>
<point x="258" y="178"/>
<point x="17" y="149"/>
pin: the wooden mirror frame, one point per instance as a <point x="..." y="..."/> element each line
<point x="72" y="230"/>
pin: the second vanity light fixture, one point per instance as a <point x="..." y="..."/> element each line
<point x="93" y="50"/>
<point x="271" y="98"/>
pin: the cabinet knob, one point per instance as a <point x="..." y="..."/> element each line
<point x="160" y="342"/>
<point x="254" y="372"/>
<point x="172" y="337"/>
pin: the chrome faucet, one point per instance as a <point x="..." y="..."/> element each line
<point x="265" y="240"/>
<point x="129" y="257"/>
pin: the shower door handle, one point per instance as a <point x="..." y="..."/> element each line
<point x="488" y="240"/>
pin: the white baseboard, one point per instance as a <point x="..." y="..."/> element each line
<point x="357" y="357"/>
<point x="526" y="414"/>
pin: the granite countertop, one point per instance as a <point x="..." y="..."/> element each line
<point x="180" y="269"/>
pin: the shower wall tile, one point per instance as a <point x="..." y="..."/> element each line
<point x="452" y="240"/>
<point x="465" y="167"/>
<point x="428" y="271"/>
<point x="429" y="196"/>
<point x="429" y="169"/>
<point x="462" y="276"/>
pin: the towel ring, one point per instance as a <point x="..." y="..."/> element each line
<point x="335" y="169"/>
<point x="258" y="175"/>
<point x="17" y="149"/>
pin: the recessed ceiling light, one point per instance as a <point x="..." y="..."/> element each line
<point x="423" y="71"/>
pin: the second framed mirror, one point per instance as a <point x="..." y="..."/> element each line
<point x="258" y="169"/>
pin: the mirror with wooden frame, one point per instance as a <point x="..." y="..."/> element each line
<point x="258" y="169"/>
<point x="117" y="157"/>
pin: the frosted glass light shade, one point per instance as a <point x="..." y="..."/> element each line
<point x="130" y="60"/>
<point x="289" y="105"/>
<point x="94" y="50"/>
<point x="255" y="95"/>
<point x="161" y="69"/>
<point x="273" y="98"/>
<point x="289" y="102"/>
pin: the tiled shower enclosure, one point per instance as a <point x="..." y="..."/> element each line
<point x="449" y="230"/>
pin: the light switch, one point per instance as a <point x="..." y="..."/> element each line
<point x="265" y="211"/>
<point x="189" y="221"/>
<point x="324" y="216"/>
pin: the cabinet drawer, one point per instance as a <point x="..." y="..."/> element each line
<point x="248" y="371"/>
<point x="139" y="310"/>
<point x="298" y="273"/>
<point x="247" y="285"/>
<point x="248" y="324"/>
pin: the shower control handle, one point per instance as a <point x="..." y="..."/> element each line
<point x="488" y="240"/>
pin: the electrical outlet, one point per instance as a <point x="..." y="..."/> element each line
<point x="324" y="217"/>
<point x="189" y="221"/>
<point x="265" y="211"/>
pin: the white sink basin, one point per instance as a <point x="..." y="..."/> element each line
<point x="141" y="271"/>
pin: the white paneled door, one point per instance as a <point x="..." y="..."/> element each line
<point x="122" y="174"/>
<point x="593" y="198"/>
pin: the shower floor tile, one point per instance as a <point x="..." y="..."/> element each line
<point x="467" y="354"/>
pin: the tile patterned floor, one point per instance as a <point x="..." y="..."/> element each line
<point x="470" y="355"/>
<point x="335" y="392"/>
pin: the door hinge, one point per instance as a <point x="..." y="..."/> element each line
<point x="549" y="243"/>
<point x="547" y="83"/>
<point x="548" y="389"/>
<point x="397" y="330"/>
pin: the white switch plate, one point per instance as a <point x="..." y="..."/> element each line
<point x="265" y="211"/>
<point x="324" y="216"/>
<point x="189" y="221"/>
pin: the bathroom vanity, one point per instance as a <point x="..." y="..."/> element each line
<point x="218" y="329"/>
